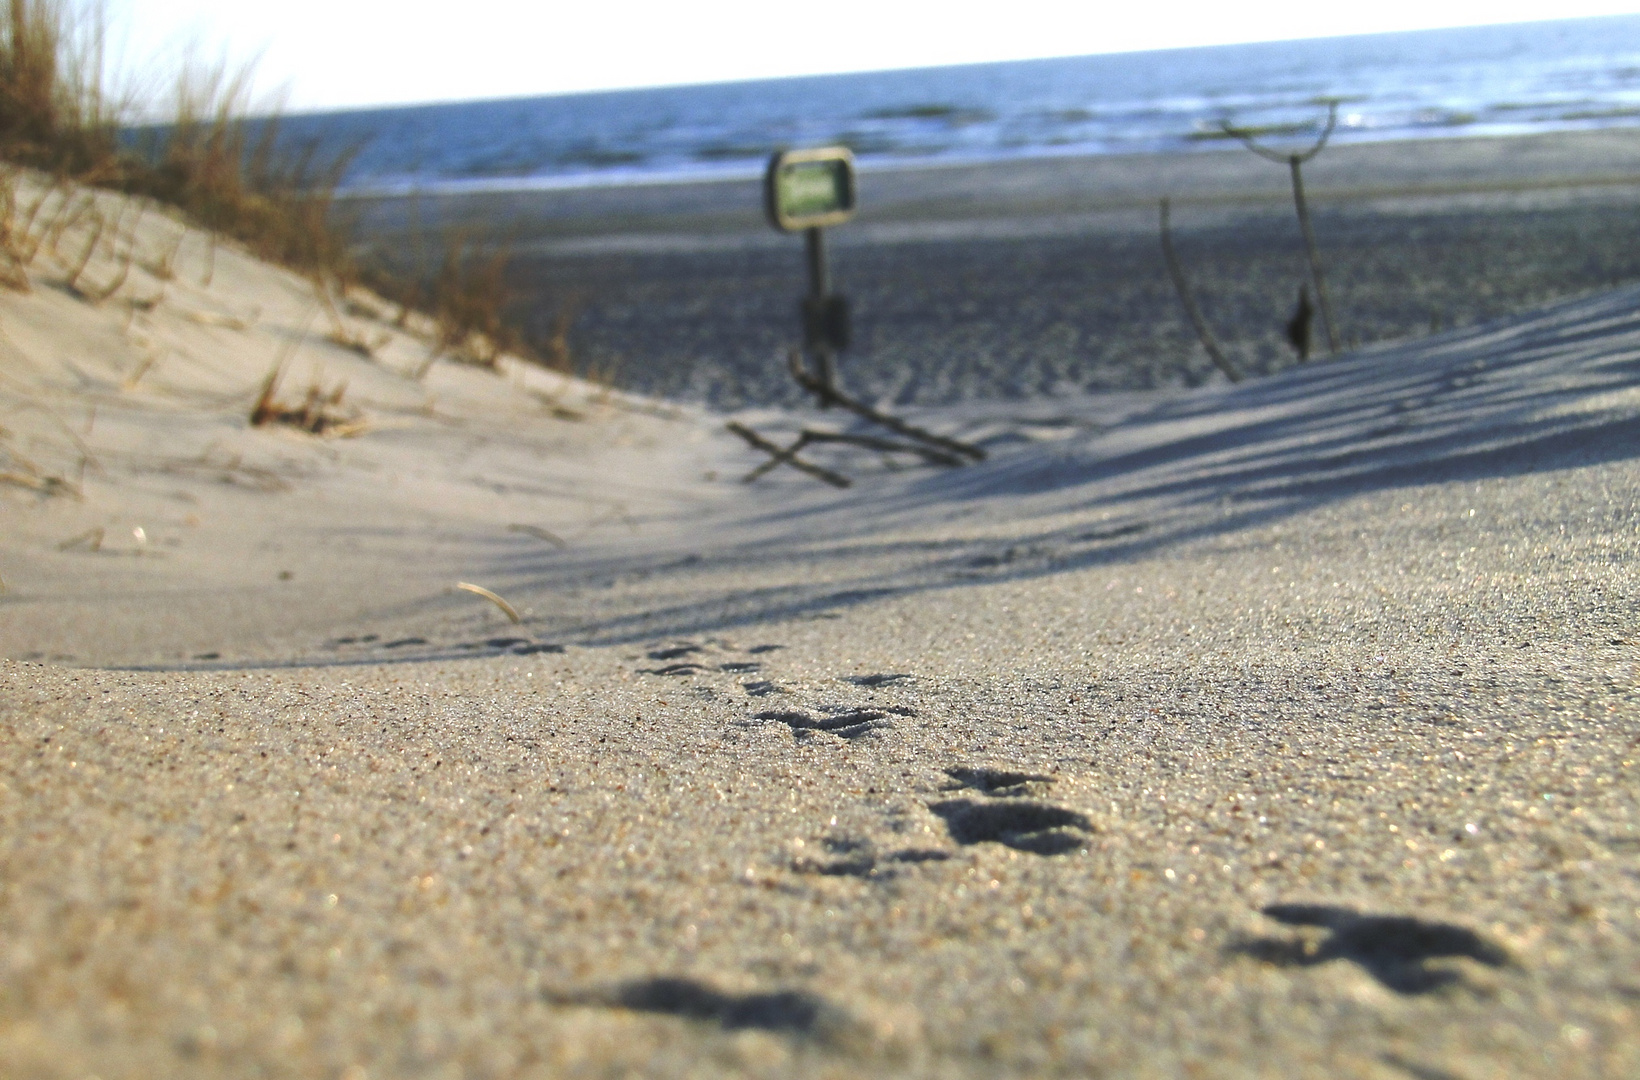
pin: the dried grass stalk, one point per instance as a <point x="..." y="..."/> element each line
<point x="319" y="413"/>
<point x="539" y="533"/>
<point x="512" y="612"/>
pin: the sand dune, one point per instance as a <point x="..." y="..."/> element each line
<point x="1278" y="729"/>
<point x="151" y="522"/>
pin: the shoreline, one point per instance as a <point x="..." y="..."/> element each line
<point x="752" y="171"/>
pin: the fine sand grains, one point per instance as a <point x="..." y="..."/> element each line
<point x="1347" y="791"/>
<point x="1021" y="828"/>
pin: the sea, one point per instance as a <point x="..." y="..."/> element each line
<point x="1491" y="80"/>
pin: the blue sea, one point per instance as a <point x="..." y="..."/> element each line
<point x="1581" y="73"/>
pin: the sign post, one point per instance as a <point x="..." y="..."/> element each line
<point x="805" y="191"/>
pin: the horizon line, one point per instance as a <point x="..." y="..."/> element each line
<point x="388" y="106"/>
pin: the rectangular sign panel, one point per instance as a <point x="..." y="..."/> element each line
<point x="807" y="189"/>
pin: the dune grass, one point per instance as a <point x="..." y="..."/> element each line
<point x="210" y="158"/>
<point x="220" y="162"/>
<point x="54" y="112"/>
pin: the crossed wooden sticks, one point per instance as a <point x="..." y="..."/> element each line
<point x="932" y="448"/>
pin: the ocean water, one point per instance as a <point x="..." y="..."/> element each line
<point x="1566" y="74"/>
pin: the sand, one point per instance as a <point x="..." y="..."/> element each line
<point x="1281" y="729"/>
<point x="1035" y="278"/>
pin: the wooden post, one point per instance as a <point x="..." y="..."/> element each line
<point x="825" y="365"/>
<point x="1296" y="163"/>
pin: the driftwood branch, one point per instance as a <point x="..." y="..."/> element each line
<point x="1176" y="271"/>
<point x="899" y="427"/>
<point x="1249" y="139"/>
<point x="784" y="455"/>
<point x="1295" y="166"/>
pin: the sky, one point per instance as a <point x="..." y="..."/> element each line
<point x="328" y="54"/>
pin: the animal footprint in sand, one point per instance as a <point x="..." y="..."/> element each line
<point x="674" y="669"/>
<point x="860" y="858"/>
<point x="998" y="783"/>
<point x="1394" y="949"/>
<point x="784" y="1012"/>
<point x="846" y="725"/>
<point x="693" y="667"/>
<point x="1039" y="828"/>
<point x="674" y="652"/>
<point x="881" y="679"/>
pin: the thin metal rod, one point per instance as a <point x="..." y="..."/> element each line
<point x="1295" y="163"/>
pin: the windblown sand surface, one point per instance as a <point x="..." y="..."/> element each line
<point x="1281" y="729"/>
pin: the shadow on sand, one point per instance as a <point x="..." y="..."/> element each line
<point x="1534" y="393"/>
<point x="1394" y="949"/>
<point x="1530" y="394"/>
<point x="796" y="1013"/>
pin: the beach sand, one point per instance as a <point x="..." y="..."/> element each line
<point x="1278" y="729"/>
<point x="1043" y="277"/>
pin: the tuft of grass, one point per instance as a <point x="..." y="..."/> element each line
<point x="16" y="470"/>
<point x="468" y="298"/>
<point x="226" y="167"/>
<point x="230" y="172"/>
<point x="54" y="112"/>
<point x="477" y="315"/>
<point x="320" y="412"/>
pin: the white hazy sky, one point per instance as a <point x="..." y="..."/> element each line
<point x="340" y="53"/>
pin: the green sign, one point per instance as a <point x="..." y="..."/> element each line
<point x="808" y="189"/>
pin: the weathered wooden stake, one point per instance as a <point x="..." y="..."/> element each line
<point x="1296" y="162"/>
<point x="1177" y="273"/>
